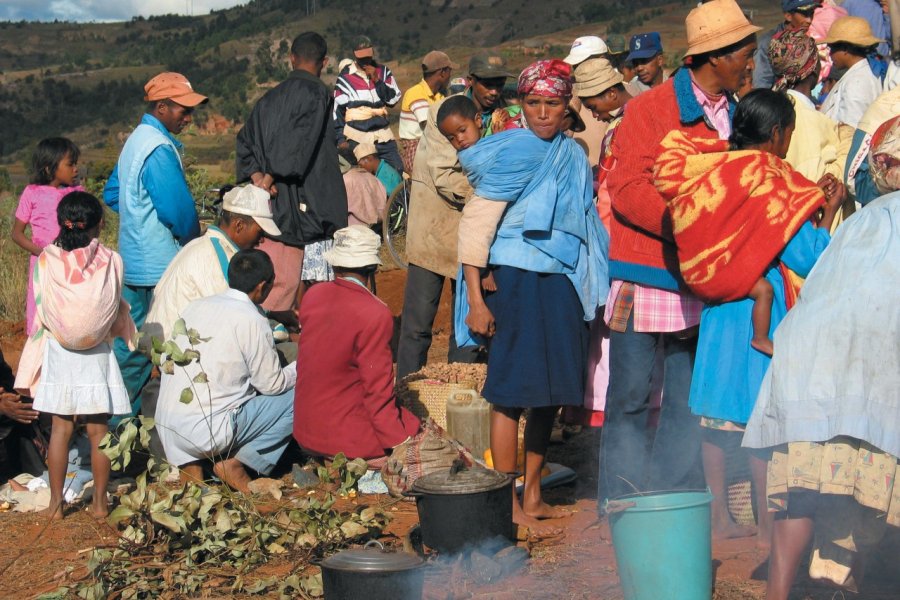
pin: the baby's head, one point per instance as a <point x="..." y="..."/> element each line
<point x="763" y="120"/>
<point x="459" y="121"/>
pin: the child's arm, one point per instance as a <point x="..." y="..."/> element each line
<point x="18" y="236"/>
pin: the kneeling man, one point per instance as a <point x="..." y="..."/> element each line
<point x="242" y="417"/>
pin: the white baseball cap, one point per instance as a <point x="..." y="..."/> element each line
<point x="584" y="48"/>
<point x="354" y="246"/>
<point x="254" y="202"/>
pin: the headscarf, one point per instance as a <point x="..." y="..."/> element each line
<point x="550" y="78"/>
<point x="794" y="57"/>
<point x="884" y="156"/>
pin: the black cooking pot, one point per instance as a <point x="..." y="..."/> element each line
<point x="373" y="574"/>
<point x="462" y="508"/>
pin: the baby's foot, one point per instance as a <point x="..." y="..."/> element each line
<point x="764" y="345"/>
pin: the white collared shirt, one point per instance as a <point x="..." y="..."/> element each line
<point x="851" y="96"/>
<point x="240" y="363"/>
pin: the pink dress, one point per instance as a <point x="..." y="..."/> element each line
<point x="37" y="207"/>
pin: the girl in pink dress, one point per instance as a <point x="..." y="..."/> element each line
<point x="54" y="172"/>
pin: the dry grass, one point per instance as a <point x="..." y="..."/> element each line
<point x="13" y="265"/>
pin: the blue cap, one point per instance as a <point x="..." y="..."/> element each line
<point x="789" y="5"/>
<point x="644" y="45"/>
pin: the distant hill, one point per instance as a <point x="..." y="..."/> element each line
<point x="85" y="79"/>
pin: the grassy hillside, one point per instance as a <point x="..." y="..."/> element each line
<point x="85" y="80"/>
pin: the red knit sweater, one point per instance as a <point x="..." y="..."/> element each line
<point x="641" y="248"/>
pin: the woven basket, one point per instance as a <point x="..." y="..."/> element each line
<point x="428" y="398"/>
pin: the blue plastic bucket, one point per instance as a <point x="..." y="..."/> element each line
<point x="663" y="545"/>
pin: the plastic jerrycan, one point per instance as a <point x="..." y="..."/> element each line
<point x="469" y="420"/>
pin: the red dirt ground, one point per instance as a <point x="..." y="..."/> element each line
<point x="37" y="557"/>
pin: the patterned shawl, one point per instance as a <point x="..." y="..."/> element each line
<point x="732" y="212"/>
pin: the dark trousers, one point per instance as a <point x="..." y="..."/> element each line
<point x="628" y="460"/>
<point x="420" y="305"/>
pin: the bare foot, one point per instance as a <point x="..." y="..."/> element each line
<point x="534" y="528"/>
<point x="54" y="513"/>
<point x="233" y="474"/>
<point x="100" y="506"/>
<point x="545" y="511"/>
<point x="731" y="530"/>
<point x="764" y="345"/>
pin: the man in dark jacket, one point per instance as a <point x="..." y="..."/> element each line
<point x="287" y="147"/>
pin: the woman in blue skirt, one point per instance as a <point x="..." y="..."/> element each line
<point x="532" y="222"/>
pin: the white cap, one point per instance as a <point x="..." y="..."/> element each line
<point x="584" y="48"/>
<point x="251" y="201"/>
<point x="354" y="246"/>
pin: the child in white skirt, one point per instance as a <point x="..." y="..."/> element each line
<point x="68" y="364"/>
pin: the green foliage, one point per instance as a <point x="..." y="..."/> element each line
<point x="5" y="181"/>
<point x="174" y="540"/>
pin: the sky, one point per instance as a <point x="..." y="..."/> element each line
<point x="104" y="10"/>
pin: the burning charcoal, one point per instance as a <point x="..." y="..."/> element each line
<point x="511" y="558"/>
<point x="483" y="568"/>
<point x="305" y="478"/>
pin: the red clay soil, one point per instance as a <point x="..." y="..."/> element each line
<point x="36" y="557"/>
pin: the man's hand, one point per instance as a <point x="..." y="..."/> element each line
<point x="264" y="181"/>
<point x="288" y="318"/>
<point x="372" y="73"/>
<point x="884" y="6"/>
<point x="12" y="406"/>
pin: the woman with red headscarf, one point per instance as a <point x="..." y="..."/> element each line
<point x="532" y="222"/>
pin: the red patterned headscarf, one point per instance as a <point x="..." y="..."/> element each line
<point x="794" y="57"/>
<point x="550" y="78"/>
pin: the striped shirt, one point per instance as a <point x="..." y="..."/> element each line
<point x="353" y="90"/>
<point x="414" y="109"/>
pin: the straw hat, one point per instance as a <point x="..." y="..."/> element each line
<point x="594" y="76"/>
<point x="717" y="24"/>
<point x="851" y="30"/>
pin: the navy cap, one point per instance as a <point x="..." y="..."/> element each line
<point x="789" y="5"/>
<point x="644" y="45"/>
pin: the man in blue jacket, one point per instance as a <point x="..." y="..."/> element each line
<point x="156" y="210"/>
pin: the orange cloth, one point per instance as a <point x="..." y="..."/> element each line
<point x="732" y="212"/>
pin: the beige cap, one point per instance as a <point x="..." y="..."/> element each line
<point x="174" y="87"/>
<point x="594" y="76"/>
<point x="436" y="60"/>
<point x="715" y="25"/>
<point x="254" y="202"/>
<point x="851" y="30"/>
<point x="354" y="246"/>
<point x="363" y="150"/>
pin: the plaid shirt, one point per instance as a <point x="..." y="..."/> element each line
<point x="655" y="310"/>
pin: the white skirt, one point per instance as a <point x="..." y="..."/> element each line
<point x="86" y="382"/>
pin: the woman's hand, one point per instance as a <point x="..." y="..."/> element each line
<point x="835" y="194"/>
<point x="481" y="320"/>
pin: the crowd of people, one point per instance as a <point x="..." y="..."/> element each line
<point x="686" y="257"/>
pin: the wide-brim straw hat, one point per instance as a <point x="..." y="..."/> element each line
<point x="715" y="25"/>
<point x="851" y="30"/>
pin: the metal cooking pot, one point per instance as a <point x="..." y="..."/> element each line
<point x="461" y="508"/>
<point x="373" y="574"/>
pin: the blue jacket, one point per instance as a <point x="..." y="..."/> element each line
<point x="156" y="210"/>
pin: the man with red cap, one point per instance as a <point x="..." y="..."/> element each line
<point x="156" y="210"/>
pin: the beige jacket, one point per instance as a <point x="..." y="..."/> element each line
<point x="439" y="192"/>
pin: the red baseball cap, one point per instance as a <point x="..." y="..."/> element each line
<point x="175" y="87"/>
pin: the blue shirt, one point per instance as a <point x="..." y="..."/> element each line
<point x="169" y="193"/>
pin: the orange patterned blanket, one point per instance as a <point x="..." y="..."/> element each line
<point x="732" y="212"/>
